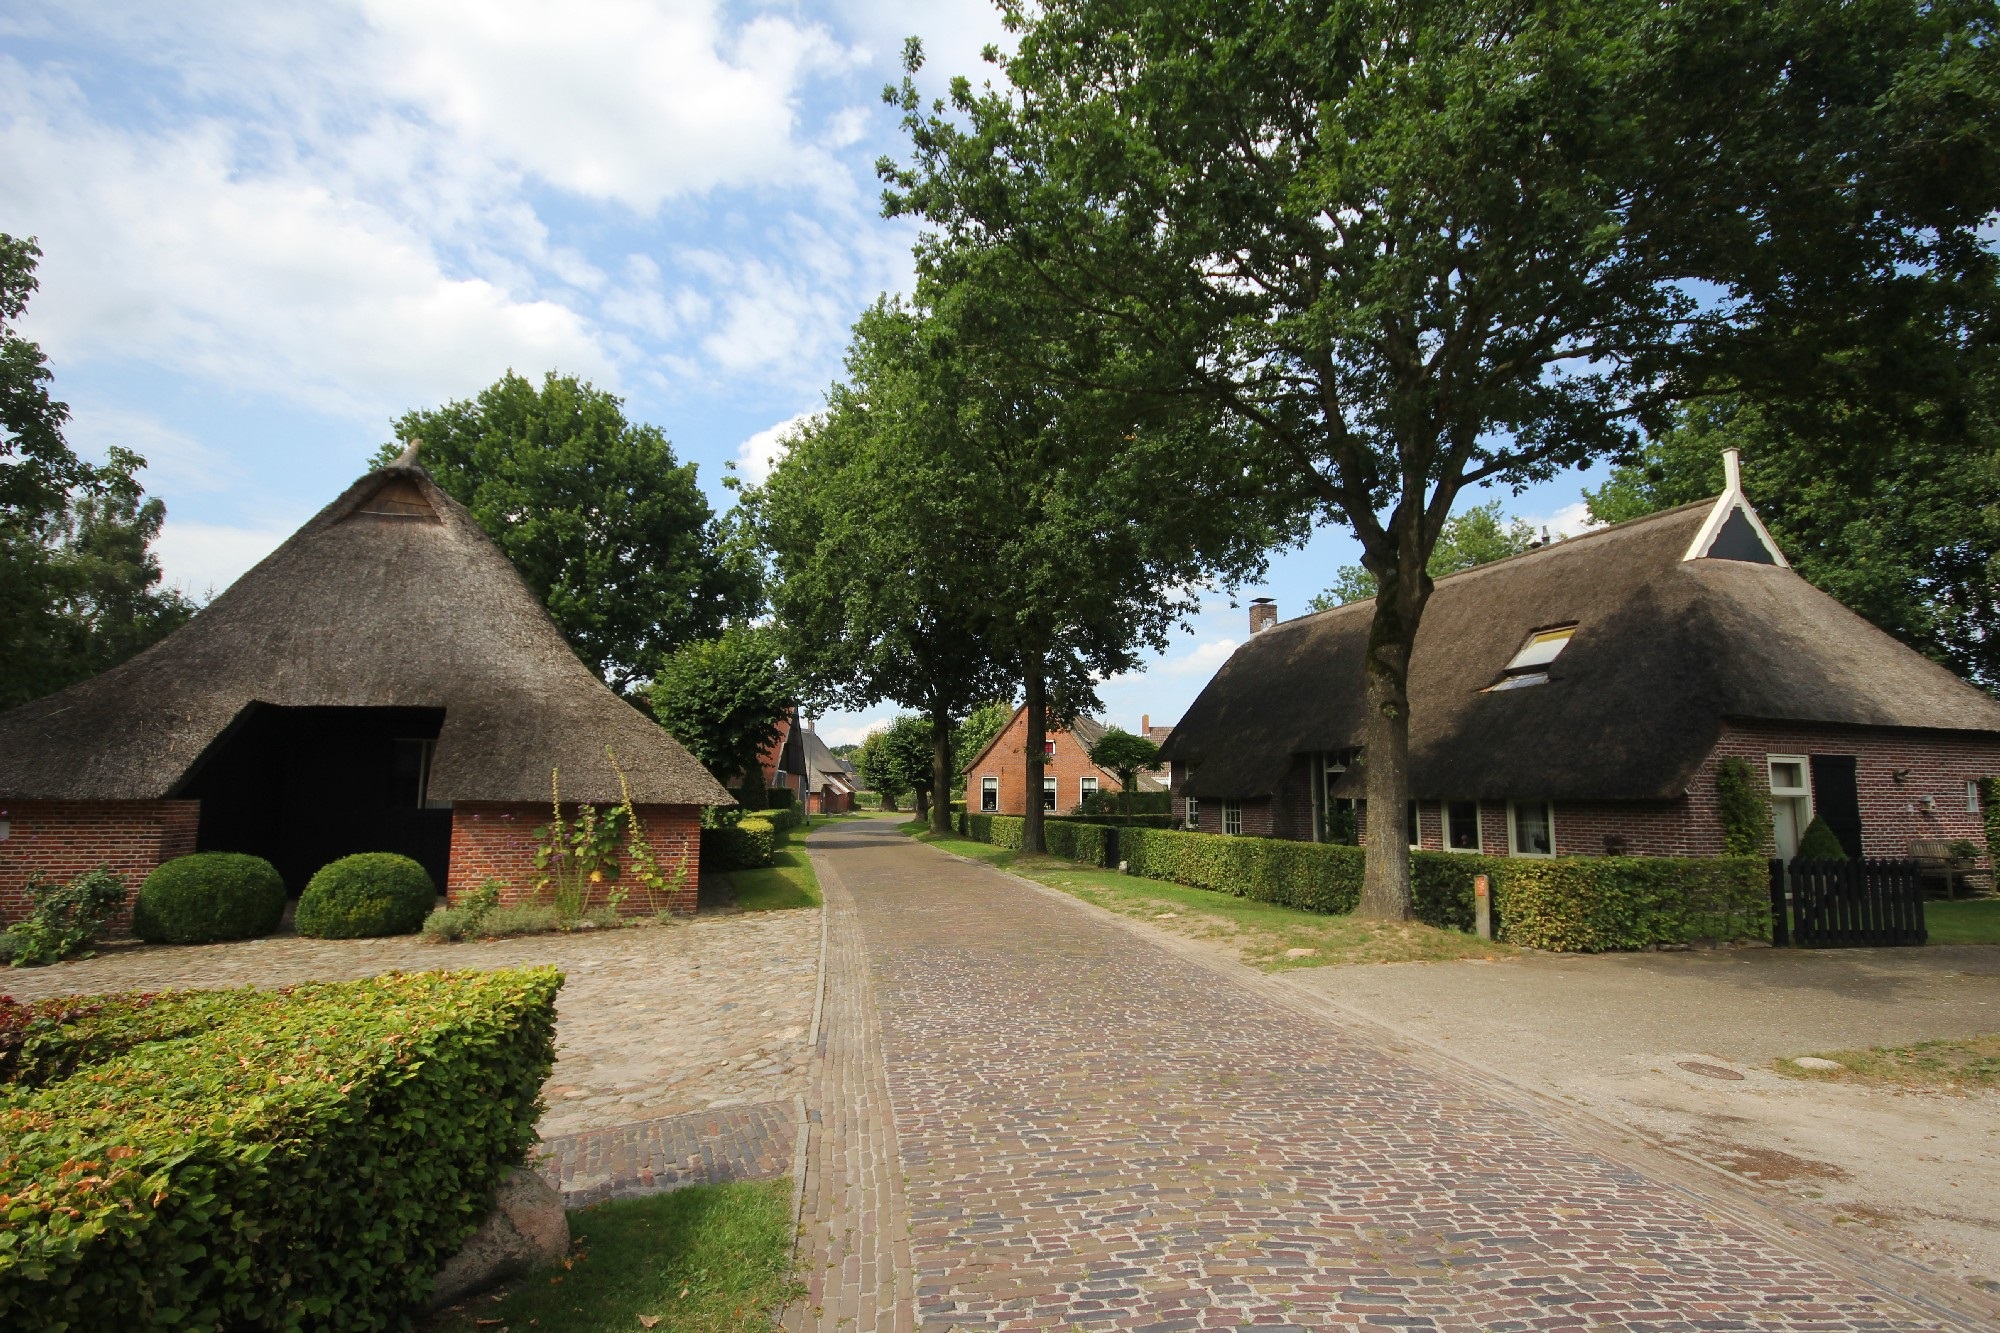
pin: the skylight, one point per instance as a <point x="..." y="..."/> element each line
<point x="1530" y="665"/>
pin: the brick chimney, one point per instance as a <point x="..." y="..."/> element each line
<point x="1263" y="614"/>
<point x="1145" y="724"/>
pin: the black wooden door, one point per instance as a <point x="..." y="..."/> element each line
<point x="1837" y="799"/>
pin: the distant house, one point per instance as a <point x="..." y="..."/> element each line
<point x="996" y="781"/>
<point x="800" y="761"/>
<point x="383" y="681"/>
<point x="1578" y="699"/>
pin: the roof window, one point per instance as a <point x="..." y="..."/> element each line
<point x="1530" y="665"/>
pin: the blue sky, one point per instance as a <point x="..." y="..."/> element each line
<point x="269" y="230"/>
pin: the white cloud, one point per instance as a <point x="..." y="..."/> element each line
<point x="1204" y="659"/>
<point x="756" y="456"/>
<point x="175" y="460"/>
<point x="852" y="732"/>
<point x="208" y="557"/>
<point x="1567" y="521"/>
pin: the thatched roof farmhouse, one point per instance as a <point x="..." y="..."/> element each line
<point x="1577" y="699"/>
<point x="384" y="680"/>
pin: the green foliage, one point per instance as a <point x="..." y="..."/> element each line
<point x="1124" y="754"/>
<point x="746" y="844"/>
<point x="1905" y="531"/>
<point x="1573" y="903"/>
<point x="723" y="698"/>
<point x="207" y="897"/>
<point x="1745" y="808"/>
<point x="78" y="577"/>
<point x="1477" y="536"/>
<point x="1989" y="805"/>
<point x="981" y="725"/>
<point x="301" y="1158"/>
<point x="367" y="894"/>
<point x="608" y="527"/>
<point x="1138" y="803"/>
<point x="897" y="760"/>
<point x="468" y="918"/>
<point x="63" y="919"/>
<point x="1820" y="843"/>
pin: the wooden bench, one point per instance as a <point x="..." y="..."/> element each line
<point x="1935" y="858"/>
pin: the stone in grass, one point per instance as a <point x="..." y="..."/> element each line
<point x="1815" y="1062"/>
<point x="527" y="1230"/>
<point x="1302" y="953"/>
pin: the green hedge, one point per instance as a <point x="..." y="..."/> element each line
<point x="299" y="1158"/>
<point x="750" y="842"/>
<point x="1570" y="903"/>
<point x="783" y="817"/>
<point x="366" y="895"/>
<point x="209" y="896"/>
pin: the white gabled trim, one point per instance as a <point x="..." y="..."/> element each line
<point x="1732" y="499"/>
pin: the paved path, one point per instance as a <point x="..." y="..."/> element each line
<point x="1082" y="1129"/>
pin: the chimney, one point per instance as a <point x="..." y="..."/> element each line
<point x="1732" y="471"/>
<point x="1145" y="724"/>
<point x="1263" y="614"/>
<point x="805" y="723"/>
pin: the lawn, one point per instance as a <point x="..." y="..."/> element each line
<point x="789" y="880"/>
<point x="1266" y="936"/>
<point x="702" y="1259"/>
<point x="1952" y="1066"/>
<point x="1968" y="921"/>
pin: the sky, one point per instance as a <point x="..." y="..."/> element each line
<point x="268" y="231"/>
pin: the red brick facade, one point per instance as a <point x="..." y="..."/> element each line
<point x="493" y="840"/>
<point x="61" y="839"/>
<point x="1937" y="765"/>
<point x="1006" y="761"/>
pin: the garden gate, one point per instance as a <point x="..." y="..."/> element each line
<point x="1834" y="904"/>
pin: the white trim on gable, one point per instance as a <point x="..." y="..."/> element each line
<point x="1730" y="501"/>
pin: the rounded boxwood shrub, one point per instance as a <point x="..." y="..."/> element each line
<point x="369" y="893"/>
<point x="207" y="897"/>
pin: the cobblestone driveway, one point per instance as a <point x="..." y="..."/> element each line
<point x="1094" y="1132"/>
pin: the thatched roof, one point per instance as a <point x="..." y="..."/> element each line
<point x="1684" y="619"/>
<point x="391" y="596"/>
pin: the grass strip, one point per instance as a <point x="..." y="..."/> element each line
<point x="701" y="1259"/>
<point x="789" y="880"/>
<point x="1968" y="921"/>
<point x="1962" y="1065"/>
<point x="1263" y="935"/>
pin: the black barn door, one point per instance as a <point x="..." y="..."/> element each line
<point x="1837" y="799"/>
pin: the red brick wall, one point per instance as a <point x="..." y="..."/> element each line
<point x="492" y="840"/>
<point x="1006" y="759"/>
<point x="61" y="839"/>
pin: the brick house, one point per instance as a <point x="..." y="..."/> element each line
<point x="996" y="781"/>
<point x="383" y="681"/>
<point x="799" y="761"/>
<point x="1578" y="699"/>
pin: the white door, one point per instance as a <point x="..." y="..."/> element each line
<point x="1785" y="825"/>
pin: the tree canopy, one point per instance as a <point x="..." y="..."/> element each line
<point x="1413" y="247"/>
<point x="896" y="760"/>
<point x="723" y="698"/>
<point x="607" y="526"/>
<point x="1475" y="536"/>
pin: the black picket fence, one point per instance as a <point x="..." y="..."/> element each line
<point x="1835" y="904"/>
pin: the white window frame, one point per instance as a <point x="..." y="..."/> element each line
<point x="1513" y="828"/>
<point x="1232" y="813"/>
<point x="1478" y="827"/>
<point x="1193" y="812"/>
<point x="989" y="786"/>
<point x="1972" y="806"/>
<point x="1050" y="796"/>
<point x="1414" y="824"/>
<point x="1771" y="762"/>
<point x="1085" y="789"/>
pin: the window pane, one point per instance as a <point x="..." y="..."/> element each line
<point x="989" y="793"/>
<point x="1413" y="830"/>
<point x="1541" y="649"/>
<point x="1048" y="793"/>
<point x="1463" y="825"/>
<point x="1788" y="777"/>
<point x="1531" y="828"/>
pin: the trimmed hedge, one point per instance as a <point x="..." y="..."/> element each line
<point x="209" y="896"/>
<point x="750" y="842"/>
<point x="1570" y="903"/>
<point x="364" y="895"/>
<point x="783" y="818"/>
<point x="299" y="1158"/>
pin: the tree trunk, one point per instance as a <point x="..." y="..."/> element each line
<point x="940" y="771"/>
<point x="923" y="799"/>
<point x="1037" y="691"/>
<point x="1385" y="884"/>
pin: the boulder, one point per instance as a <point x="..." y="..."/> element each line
<point x="526" y="1230"/>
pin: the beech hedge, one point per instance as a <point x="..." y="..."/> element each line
<point x="298" y="1158"/>
<point x="1582" y="904"/>
<point x="748" y="843"/>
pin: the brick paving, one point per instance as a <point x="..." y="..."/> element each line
<point x="1094" y="1132"/>
<point x="648" y="1156"/>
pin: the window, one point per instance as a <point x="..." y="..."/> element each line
<point x="1971" y="797"/>
<point x="1461" y="826"/>
<point x="1530" y="665"/>
<point x="1193" y="813"/>
<point x="1048" y="749"/>
<point x="1087" y="788"/>
<point x="1531" y="828"/>
<point x="1788" y="775"/>
<point x="1232" y="817"/>
<point x="1791" y="801"/>
<point x="1415" y="829"/>
<point x="1048" y="793"/>
<point x="989" y="794"/>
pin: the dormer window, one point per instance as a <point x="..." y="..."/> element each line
<point x="1530" y="666"/>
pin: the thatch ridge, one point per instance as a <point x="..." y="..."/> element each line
<point x="1665" y="653"/>
<point x="360" y="609"/>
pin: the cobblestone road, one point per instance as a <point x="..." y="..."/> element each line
<point x="1097" y="1133"/>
